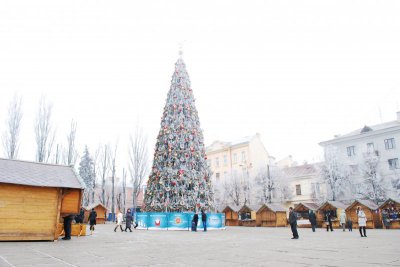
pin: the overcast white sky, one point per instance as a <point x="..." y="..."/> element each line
<point x="297" y="72"/>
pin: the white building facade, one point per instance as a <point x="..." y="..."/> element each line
<point x="381" y="141"/>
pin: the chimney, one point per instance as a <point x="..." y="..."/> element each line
<point x="398" y="116"/>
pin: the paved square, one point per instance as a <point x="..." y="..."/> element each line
<point x="236" y="246"/>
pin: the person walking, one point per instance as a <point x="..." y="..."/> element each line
<point x="328" y="218"/>
<point x="195" y="220"/>
<point x="92" y="220"/>
<point x="343" y="220"/>
<point x="313" y="220"/>
<point x="293" y="223"/>
<point x="362" y="221"/>
<point x="128" y="220"/>
<point x="120" y="218"/>
<point x="204" y="220"/>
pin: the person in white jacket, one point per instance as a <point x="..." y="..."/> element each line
<point x="120" y="218"/>
<point x="343" y="220"/>
<point x="362" y="221"/>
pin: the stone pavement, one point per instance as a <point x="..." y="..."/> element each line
<point x="236" y="246"/>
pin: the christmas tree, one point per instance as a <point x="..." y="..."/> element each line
<point x="180" y="177"/>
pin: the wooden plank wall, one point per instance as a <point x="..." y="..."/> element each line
<point x="28" y="212"/>
<point x="71" y="201"/>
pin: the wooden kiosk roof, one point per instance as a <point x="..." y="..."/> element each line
<point x="248" y="207"/>
<point x="231" y="207"/>
<point x="365" y="202"/>
<point x="273" y="207"/>
<point x="94" y="205"/>
<point x="335" y="204"/>
<point x="38" y="174"/>
<point x="310" y="206"/>
<point x="396" y="202"/>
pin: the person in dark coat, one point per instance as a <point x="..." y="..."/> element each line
<point x="293" y="223"/>
<point x="313" y="220"/>
<point x="204" y="220"/>
<point x="67" y="227"/>
<point x="195" y="221"/>
<point x="328" y="217"/>
<point x="92" y="220"/>
<point x="79" y="218"/>
<point x="128" y="220"/>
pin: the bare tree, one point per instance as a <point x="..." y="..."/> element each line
<point x="113" y="156"/>
<point x="71" y="154"/>
<point x="123" y="203"/>
<point x="266" y="184"/>
<point x="13" y="124"/>
<point x="335" y="175"/>
<point x="138" y="162"/>
<point x="103" y="172"/>
<point x="44" y="131"/>
<point x="95" y="171"/>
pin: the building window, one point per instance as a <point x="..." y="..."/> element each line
<point x="217" y="176"/>
<point x="235" y="158"/>
<point x="225" y="160"/>
<point x="390" y="144"/>
<point x="243" y="156"/>
<point x="298" y="190"/>
<point x="393" y="163"/>
<point x="217" y="162"/>
<point x="370" y="147"/>
<point x="225" y="175"/>
<point x="351" y="151"/>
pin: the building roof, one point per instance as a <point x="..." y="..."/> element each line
<point x="272" y="206"/>
<point x="302" y="170"/>
<point x="366" y="202"/>
<point x="38" y="174"/>
<point x="219" y="145"/>
<point x="366" y="130"/>
<point x="336" y="204"/>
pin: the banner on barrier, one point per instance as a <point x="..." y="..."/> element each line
<point x="178" y="221"/>
<point x="141" y="220"/>
<point x="157" y="221"/>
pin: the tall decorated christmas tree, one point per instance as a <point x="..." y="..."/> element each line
<point x="180" y="177"/>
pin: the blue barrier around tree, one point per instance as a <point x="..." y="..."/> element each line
<point x="177" y="221"/>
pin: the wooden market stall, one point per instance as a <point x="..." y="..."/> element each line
<point x="371" y="211"/>
<point x="247" y="215"/>
<point x="101" y="211"/>
<point x="231" y="215"/>
<point x="34" y="197"/>
<point x="335" y="208"/>
<point x="390" y="214"/>
<point x="302" y="210"/>
<point x="271" y="215"/>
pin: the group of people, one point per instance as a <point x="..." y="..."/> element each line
<point x="390" y="214"/>
<point x="195" y="221"/>
<point x="78" y="219"/>
<point x="128" y="221"/>
<point x="362" y="221"/>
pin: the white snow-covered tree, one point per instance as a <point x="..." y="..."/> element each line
<point x="335" y="175"/>
<point x="13" y="127"/>
<point x="86" y="172"/>
<point x="272" y="185"/>
<point x="374" y="186"/>
<point x="234" y="191"/>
